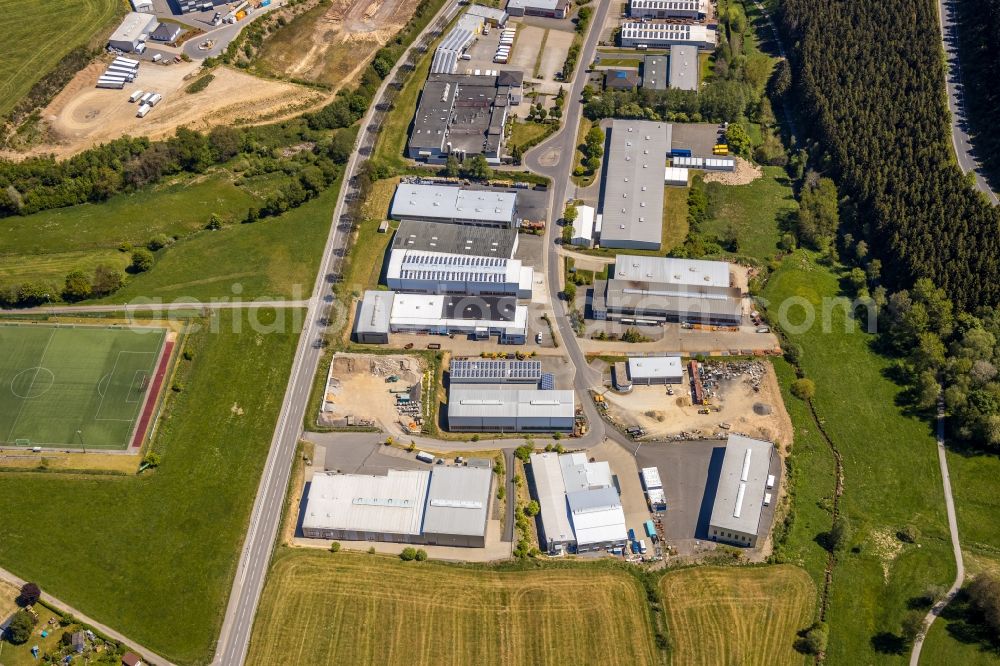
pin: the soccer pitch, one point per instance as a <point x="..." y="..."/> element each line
<point x="74" y="386"/>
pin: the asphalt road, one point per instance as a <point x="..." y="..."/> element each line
<point x="964" y="150"/>
<point x="237" y="625"/>
<point x="956" y="544"/>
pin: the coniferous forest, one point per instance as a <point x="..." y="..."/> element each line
<point x="869" y="78"/>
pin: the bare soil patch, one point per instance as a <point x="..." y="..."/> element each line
<point x="358" y="388"/>
<point x="745" y="174"/>
<point x="744" y="395"/>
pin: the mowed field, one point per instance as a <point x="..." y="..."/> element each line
<point x="38" y="33"/>
<point x="726" y="615"/>
<point x="74" y="385"/>
<point x="346" y="608"/>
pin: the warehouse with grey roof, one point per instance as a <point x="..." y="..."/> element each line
<point x="632" y="201"/>
<point x="456" y="205"/>
<point x="456" y="238"/>
<point x="444" y="506"/>
<point x="509" y="408"/>
<point x="739" y="498"/>
<point x="684" y="67"/>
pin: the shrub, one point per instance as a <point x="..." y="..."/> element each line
<point x="532" y="509"/>
<point x="813" y="640"/>
<point x="421" y="555"/>
<point x="804" y="389"/>
<point x="142" y="260"/>
<point x="152" y="459"/>
<point x="335" y="547"/>
<point x="793" y="353"/>
<point x="409" y="554"/>
<point x="158" y="242"/>
<point x="909" y="534"/>
<point x="523" y="452"/>
<point x="20" y="627"/>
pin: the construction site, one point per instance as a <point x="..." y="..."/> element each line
<point x="377" y="391"/>
<point x="723" y="397"/>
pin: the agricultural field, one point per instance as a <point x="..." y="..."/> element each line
<point x="332" y="42"/>
<point x="74" y="386"/>
<point x="154" y="555"/>
<point x="320" y="607"/>
<point x="877" y="578"/>
<point x="38" y="34"/>
<point x="754" y="212"/>
<point x="727" y="615"/>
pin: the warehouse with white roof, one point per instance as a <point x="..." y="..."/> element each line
<point x="447" y="203"/>
<point x="652" y="290"/>
<point x="632" y="208"/>
<point x="442" y="273"/>
<point x="133" y="30"/>
<point x="649" y="370"/>
<point x="363" y="507"/>
<point x="580" y="506"/>
<point x="663" y="9"/>
<point x="583" y="227"/>
<point x="446" y="506"/>
<point x="739" y="498"/>
<point x="509" y="408"/>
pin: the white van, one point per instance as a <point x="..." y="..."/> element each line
<point x="642" y="546"/>
<point x="770" y="481"/>
<point x="767" y="499"/>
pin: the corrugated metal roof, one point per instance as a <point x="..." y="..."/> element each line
<point x="597" y="515"/>
<point x="489" y="400"/>
<point x="458" y="500"/>
<point x="551" y="492"/>
<point x="633" y="190"/>
<point x="740" y="494"/>
<point x="447" y="202"/>
<point x="392" y="504"/>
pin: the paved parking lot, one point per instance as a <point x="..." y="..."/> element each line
<point x="700" y="138"/>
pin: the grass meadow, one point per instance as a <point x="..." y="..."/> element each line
<point x="891" y="478"/>
<point x="154" y="555"/>
<point x="727" y="615"/>
<point x="320" y="607"/>
<point x="37" y="34"/>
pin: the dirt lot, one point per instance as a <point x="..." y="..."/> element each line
<point x="333" y="46"/>
<point x="81" y="115"/>
<point x="757" y="413"/>
<point x="556" y="47"/>
<point x="357" y="388"/>
<point x="525" y="52"/>
<point x="745" y="174"/>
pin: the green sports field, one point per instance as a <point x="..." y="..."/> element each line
<point x="74" y="385"/>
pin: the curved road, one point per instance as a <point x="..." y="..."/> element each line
<point x="964" y="150"/>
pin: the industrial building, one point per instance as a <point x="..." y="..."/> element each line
<point x="661" y="35"/>
<point x="441" y="273"/>
<point x="491" y="15"/>
<point x="654" y="72"/>
<point x="133" y="30"/>
<point x="583" y="227"/>
<point x="649" y="370"/>
<point x="457" y="205"/>
<point x="494" y="371"/>
<point x="509" y="408"/>
<point x="677" y="176"/>
<point x="545" y="8"/>
<point x="384" y="312"/>
<point x="652" y="290"/>
<point x="456" y="238"/>
<point x="633" y="184"/>
<point x="446" y="506"/>
<point x="460" y="114"/>
<point x="739" y="498"/>
<point x="363" y="507"/>
<point x="459" y="38"/>
<point x="684" y="67"/>
<point x="666" y="9"/>
<point x="580" y="505"/>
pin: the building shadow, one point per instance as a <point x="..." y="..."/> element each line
<point x="711" y="488"/>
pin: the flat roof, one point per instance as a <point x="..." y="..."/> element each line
<point x="739" y="497"/>
<point x="374" y="312"/>
<point x="509" y="401"/>
<point x="455" y="238"/>
<point x="668" y="270"/>
<point x="683" y="5"/>
<point x="597" y="515"/>
<point x="498" y="15"/>
<point x="692" y="33"/>
<point x="447" y="202"/>
<point x="393" y="503"/>
<point x="551" y="492"/>
<point x="580" y="474"/>
<point x="654" y="72"/>
<point x="458" y="500"/>
<point x="654" y="367"/>
<point x="673" y="175"/>
<point x="684" y="67"/>
<point x="633" y="183"/>
<point x="647" y="296"/>
<point x="478" y="370"/>
<point x="549" y="5"/>
<point x="651" y="478"/>
<point x="132" y="26"/>
<point x="443" y="267"/>
<point x="436" y="310"/>
<point x="461" y="113"/>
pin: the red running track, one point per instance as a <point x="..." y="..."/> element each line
<point x="154" y="392"/>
